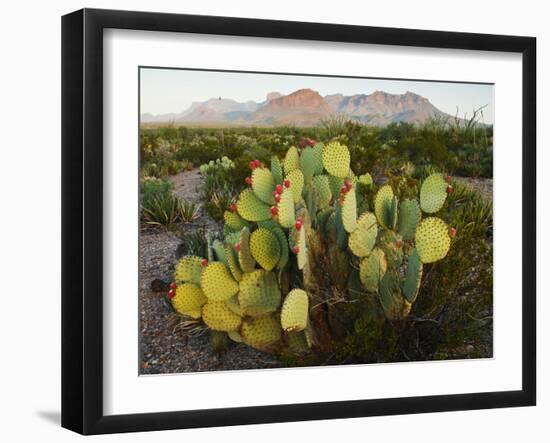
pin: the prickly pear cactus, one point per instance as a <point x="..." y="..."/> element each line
<point x="297" y="247"/>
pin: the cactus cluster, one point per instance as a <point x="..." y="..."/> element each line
<point x="299" y="238"/>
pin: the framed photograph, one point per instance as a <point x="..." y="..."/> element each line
<point x="269" y="221"/>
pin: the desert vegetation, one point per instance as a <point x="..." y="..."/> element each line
<point x="340" y="243"/>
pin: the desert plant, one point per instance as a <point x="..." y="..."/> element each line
<point x="187" y="211"/>
<point x="161" y="209"/>
<point x="297" y="253"/>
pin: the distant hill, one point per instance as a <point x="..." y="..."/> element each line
<point x="306" y="107"/>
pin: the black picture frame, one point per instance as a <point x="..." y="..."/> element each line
<point x="82" y="218"/>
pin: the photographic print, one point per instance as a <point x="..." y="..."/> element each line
<point x="306" y="220"/>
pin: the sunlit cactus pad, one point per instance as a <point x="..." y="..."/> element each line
<point x="336" y="159"/>
<point x="189" y="269"/>
<point x="285" y="208"/>
<point x="259" y="293"/>
<point x="296" y="179"/>
<point x="265" y="248"/>
<point x="246" y="261"/>
<point x="432" y="239"/>
<point x="433" y="193"/>
<point x="263" y="185"/>
<point x="188" y="300"/>
<point x="363" y="238"/>
<point x="218" y="317"/>
<point x="292" y="160"/>
<point x="383" y="206"/>
<point x="409" y="217"/>
<point x="251" y="208"/>
<point x="217" y="282"/>
<point x="372" y="269"/>
<point x="234" y="221"/>
<point x="349" y="211"/>
<point x="308" y="163"/>
<point x="262" y="333"/>
<point x="413" y="277"/>
<point x="294" y="313"/>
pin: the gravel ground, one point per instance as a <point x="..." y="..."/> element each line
<point x="164" y="346"/>
<point x="483" y="185"/>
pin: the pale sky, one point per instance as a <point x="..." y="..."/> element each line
<point x="165" y="91"/>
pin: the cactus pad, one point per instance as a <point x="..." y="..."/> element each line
<point x="336" y="159"/>
<point x="283" y="244"/>
<point x="265" y="248"/>
<point x="391" y="244"/>
<point x="321" y="191"/>
<point x="292" y="160"/>
<point x="433" y="193"/>
<point x="247" y="262"/>
<point x="219" y="251"/>
<point x="365" y="179"/>
<point x="318" y="151"/>
<point x="297" y="342"/>
<point x="219" y="317"/>
<point x="217" y="282"/>
<point x="233" y="262"/>
<point x="383" y="206"/>
<point x="297" y="239"/>
<point x="263" y="185"/>
<point x="234" y="305"/>
<point x="189" y="269"/>
<point x="372" y="269"/>
<point x="362" y="240"/>
<point x="308" y="164"/>
<point x="259" y="293"/>
<point x="349" y="211"/>
<point x="394" y="304"/>
<point x="296" y="178"/>
<point x="409" y="217"/>
<point x="234" y="221"/>
<point x="262" y="333"/>
<point x="277" y="170"/>
<point x="251" y="208"/>
<point x="294" y="313"/>
<point x="188" y="300"/>
<point x="235" y="336"/>
<point x="432" y="239"/>
<point x="413" y="277"/>
<point x="285" y="208"/>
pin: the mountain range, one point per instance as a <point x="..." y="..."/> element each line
<point x="305" y="107"/>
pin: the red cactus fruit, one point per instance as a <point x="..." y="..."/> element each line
<point x="233" y="207"/>
<point x="453" y="232"/>
<point x="348" y="183"/>
<point x="171" y="294"/>
<point x="279" y="189"/>
<point x="238" y="247"/>
<point x="302" y="143"/>
<point x="449" y="189"/>
<point x="248" y="180"/>
<point x="287" y="183"/>
<point x="274" y="211"/>
<point x="204" y="262"/>
<point x="344" y="189"/>
<point x="173" y="286"/>
<point x="295" y="249"/>
<point x="252" y="164"/>
<point x="311" y="142"/>
<point x="277" y="198"/>
<point x="257" y="163"/>
<point x="298" y="224"/>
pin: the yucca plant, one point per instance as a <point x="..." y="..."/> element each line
<point x="161" y="209"/>
<point x="187" y="211"/>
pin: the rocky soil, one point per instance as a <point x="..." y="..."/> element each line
<point x="165" y="346"/>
